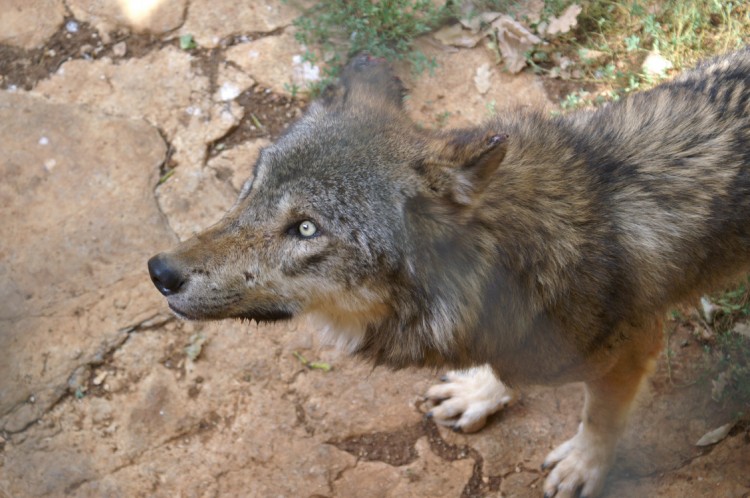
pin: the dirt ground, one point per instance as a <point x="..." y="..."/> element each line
<point x="115" y="144"/>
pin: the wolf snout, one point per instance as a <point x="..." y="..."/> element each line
<point x="165" y="274"/>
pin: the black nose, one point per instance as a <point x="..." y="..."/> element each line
<point x="165" y="275"/>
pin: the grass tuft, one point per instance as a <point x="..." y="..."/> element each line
<point x="387" y="28"/>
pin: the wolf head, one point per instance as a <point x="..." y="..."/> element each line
<point x="335" y="216"/>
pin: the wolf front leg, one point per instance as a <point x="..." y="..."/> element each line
<point x="581" y="464"/>
<point x="467" y="397"/>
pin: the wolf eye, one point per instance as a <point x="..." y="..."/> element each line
<point x="307" y="228"/>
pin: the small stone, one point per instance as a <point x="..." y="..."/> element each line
<point x="28" y="24"/>
<point x="656" y="65"/>
<point x="742" y="329"/>
<point x="100" y="377"/>
<point x="71" y="26"/>
<point x="78" y="380"/>
<point x="228" y="91"/>
<point x="482" y="78"/>
<point x="120" y="49"/>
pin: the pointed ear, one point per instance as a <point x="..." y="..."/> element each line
<point x="461" y="163"/>
<point x="365" y="80"/>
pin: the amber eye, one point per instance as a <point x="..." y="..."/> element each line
<point x="307" y="229"/>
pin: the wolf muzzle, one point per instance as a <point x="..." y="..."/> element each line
<point x="165" y="275"/>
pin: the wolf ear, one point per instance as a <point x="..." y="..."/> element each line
<point x="365" y="79"/>
<point x="459" y="165"/>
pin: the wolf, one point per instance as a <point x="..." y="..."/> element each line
<point x="531" y="248"/>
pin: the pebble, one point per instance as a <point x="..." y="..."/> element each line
<point x="100" y="377"/>
<point x="120" y="49"/>
<point x="228" y="91"/>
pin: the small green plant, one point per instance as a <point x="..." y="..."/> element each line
<point x="573" y="100"/>
<point x="342" y="28"/>
<point x="312" y="365"/>
<point x="187" y="42"/>
<point x="491" y="107"/>
<point x="442" y="118"/>
<point x="292" y="88"/>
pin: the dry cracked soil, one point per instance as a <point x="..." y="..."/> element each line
<point x="115" y="144"/>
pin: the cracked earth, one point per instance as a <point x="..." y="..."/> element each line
<point x="117" y="143"/>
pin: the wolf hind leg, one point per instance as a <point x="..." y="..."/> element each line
<point x="581" y="464"/>
<point x="467" y="397"/>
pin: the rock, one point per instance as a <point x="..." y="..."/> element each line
<point x="656" y="65"/>
<point x="120" y="49"/>
<point x="482" y="78"/>
<point x="78" y="380"/>
<point x="29" y="24"/>
<point x="429" y="475"/>
<point x="451" y="88"/>
<point x="193" y="199"/>
<point x="186" y="114"/>
<point x="275" y="62"/>
<point x="67" y="242"/>
<point x="237" y="163"/>
<point x="101" y="411"/>
<point x="338" y="406"/>
<point x="231" y="83"/>
<point x="150" y="16"/>
<point x="211" y="21"/>
<point x="130" y="89"/>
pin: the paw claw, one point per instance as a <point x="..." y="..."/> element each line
<point x="466" y="398"/>
<point x="580" y="464"/>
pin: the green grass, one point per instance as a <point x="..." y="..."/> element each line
<point x="623" y="33"/>
<point x="338" y="29"/>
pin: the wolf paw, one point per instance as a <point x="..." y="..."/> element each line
<point x="580" y="466"/>
<point x="466" y="398"/>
